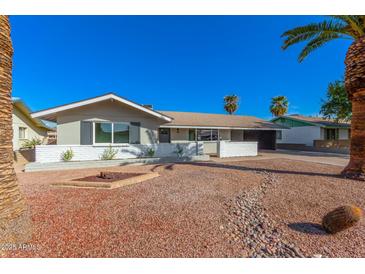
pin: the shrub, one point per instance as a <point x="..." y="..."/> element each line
<point x="150" y="152"/>
<point x="67" y="155"/>
<point x="109" y="153"/>
<point x="341" y="218"/>
<point x="179" y="150"/>
<point x="29" y="144"/>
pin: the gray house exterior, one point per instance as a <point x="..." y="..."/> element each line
<point x="111" y="119"/>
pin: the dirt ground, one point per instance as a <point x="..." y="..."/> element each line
<point x="182" y="212"/>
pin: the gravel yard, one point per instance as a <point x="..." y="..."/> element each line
<point x="256" y="208"/>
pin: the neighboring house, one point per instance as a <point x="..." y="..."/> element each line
<point x="24" y="126"/>
<point x="112" y="120"/>
<point x="313" y="132"/>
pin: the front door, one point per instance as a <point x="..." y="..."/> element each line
<point x="164" y="135"/>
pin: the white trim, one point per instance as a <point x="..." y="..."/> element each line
<point x="43" y="113"/>
<point x="208" y="127"/>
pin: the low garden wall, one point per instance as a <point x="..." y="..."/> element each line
<point x="236" y="149"/>
<point x="53" y="153"/>
<point x="335" y="144"/>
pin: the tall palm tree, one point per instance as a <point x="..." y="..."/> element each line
<point x="279" y="106"/>
<point x="231" y="103"/>
<point x="11" y="201"/>
<point x="345" y="27"/>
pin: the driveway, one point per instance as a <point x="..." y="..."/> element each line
<point x="307" y="156"/>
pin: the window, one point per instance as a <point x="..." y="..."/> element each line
<point x="121" y="133"/>
<point x="204" y="134"/>
<point x="191" y="134"/>
<point x="279" y="135"/>
<point x="207" y="135"/>
<point x="214" y="135"/>
<point x="111" y="133"/>
<point x="22" y="132"/>
<point x="331" y="134"/>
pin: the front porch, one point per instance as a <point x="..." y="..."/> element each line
<point x="266" y="139"/>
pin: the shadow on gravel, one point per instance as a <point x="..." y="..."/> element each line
<point x="308" y="228"/>
<point x="165" y="166"/>
<point x="245" y="168"/>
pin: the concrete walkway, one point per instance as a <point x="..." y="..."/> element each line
<point x="307" y="156"/>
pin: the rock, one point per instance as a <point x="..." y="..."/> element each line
<point x="259" y="234"/>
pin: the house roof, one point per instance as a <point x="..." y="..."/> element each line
<point x="206" y="120"/>
<point x="23" y="108"/>
<point x="51" y="113"/>
<point x="316" y="121"/>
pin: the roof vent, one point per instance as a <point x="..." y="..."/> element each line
<point x="148" y="106"/>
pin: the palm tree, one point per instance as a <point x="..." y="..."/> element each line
<point x="345" y="27"/>
<point x="279" y="106"/>
<point x="231" y="103"/>
<point x="11" y="201"/>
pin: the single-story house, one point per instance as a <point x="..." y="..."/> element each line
<point x="26" y="127"/>
<point x="113" y="120"/>
<point x="312" y="132"/>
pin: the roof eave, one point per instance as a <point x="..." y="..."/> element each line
<point x="27" y="112"/>
<point x="223" y="127"/>
<point x="48" y="113"/>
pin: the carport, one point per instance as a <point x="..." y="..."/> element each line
<point x="266" y="138"/>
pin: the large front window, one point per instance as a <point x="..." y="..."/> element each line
<point x="207" y="134"/>
<point x="120" y="133"/>
<point x="111" y="133"/>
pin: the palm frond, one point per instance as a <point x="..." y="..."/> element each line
<point x="316" y="43"/>
<point x="355" y="23"/>
<point x="313" y="31"/>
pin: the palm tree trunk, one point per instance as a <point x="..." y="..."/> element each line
<point x="11" y="201"/>
<point x="355" y="87"/>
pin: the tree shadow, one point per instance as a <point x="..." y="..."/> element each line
<point x="308" y="228"/>
<point x="258" y="169"/>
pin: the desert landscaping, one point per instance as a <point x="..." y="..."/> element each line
<point x="239" y="208"/>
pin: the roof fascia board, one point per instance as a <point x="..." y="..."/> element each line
<point x="300" y="120"/>
<point x="23" y="108"/>
<point x="96" y="100"/>
<point x="215" y="127"/>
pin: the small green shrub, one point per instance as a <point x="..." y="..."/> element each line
<point x="150" y="152"/>
<point x="67" y="155"/>
<point x="29" y="144"/>
<point x="109" y="153"/>
<point x="179" y="150"/>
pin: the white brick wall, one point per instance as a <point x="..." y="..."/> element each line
<point x="52" y="153"/>
<point x="236" y="149"/>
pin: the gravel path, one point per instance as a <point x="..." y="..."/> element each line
<point x="267" y="208"/>
<point x="249" y="224"/>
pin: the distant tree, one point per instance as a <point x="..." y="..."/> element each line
<point x="231" y="103"/>
<point x="337" y="105"/>
<point x="279" y="106"/>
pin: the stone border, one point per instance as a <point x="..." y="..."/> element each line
<point x="111" y="185"/>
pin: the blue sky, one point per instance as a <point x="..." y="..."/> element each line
<point x="182" y="63"/>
